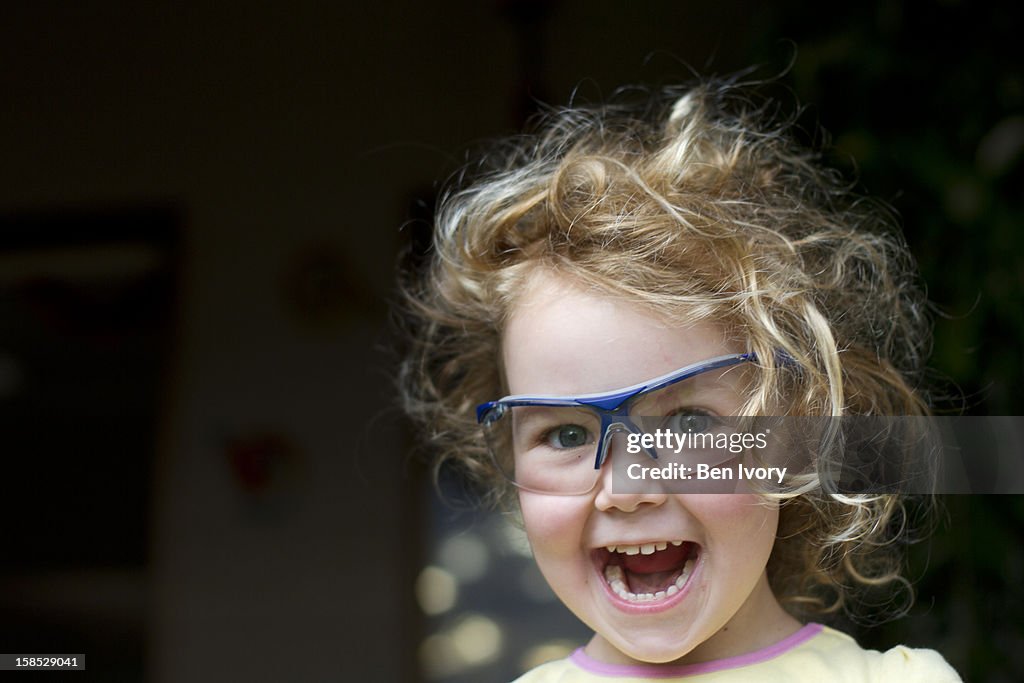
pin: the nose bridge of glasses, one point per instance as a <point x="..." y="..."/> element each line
<point x="613" y="491"/>
<point x="623" y="426"/>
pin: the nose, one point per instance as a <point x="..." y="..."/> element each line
<point x="629" y="497"/>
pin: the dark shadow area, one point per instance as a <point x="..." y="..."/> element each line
<point x="87" y="306"/>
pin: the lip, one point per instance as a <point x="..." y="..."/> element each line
<point x="644" y="607"/>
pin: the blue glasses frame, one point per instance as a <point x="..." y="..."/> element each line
<point x="612" y="406"/>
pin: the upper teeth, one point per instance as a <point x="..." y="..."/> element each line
<point x="643" y="549"/>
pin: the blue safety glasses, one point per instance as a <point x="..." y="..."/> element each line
<point x="557" y="444"/>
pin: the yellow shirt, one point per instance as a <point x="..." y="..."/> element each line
<point x="813" y="654"/>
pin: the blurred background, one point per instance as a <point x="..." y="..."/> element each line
<point x="201" y="210"/>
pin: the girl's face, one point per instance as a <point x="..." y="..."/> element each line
<point x="563" y="340"/>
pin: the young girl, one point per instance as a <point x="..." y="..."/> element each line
<point x="688" y="260"/>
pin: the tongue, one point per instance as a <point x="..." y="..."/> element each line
<point x="650" y="583"/>
<point x="653" y="573"/>
<point x="669" y="559"/>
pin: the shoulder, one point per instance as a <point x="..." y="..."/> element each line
<point x="909" y="665"/>
<point x="899" y="664"/>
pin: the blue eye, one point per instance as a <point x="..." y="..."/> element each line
<point x="567" y="436"/>
<point x="689" y="422"/>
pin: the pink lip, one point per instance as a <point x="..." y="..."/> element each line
<point x="648" y="607"/>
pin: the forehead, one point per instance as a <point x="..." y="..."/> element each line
<point x="564" y="338"/>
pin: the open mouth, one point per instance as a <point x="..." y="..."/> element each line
<point x="649" y="572"/>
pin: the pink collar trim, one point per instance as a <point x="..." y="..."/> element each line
<point x="587" y="663"/>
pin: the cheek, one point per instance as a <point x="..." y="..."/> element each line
<point x="554" y="525"/>
<point x="742" y="524"/>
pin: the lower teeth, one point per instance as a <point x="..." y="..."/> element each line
<point x="617" y="580"/>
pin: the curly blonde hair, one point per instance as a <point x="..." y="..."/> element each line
<point x="699" y="205"/>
